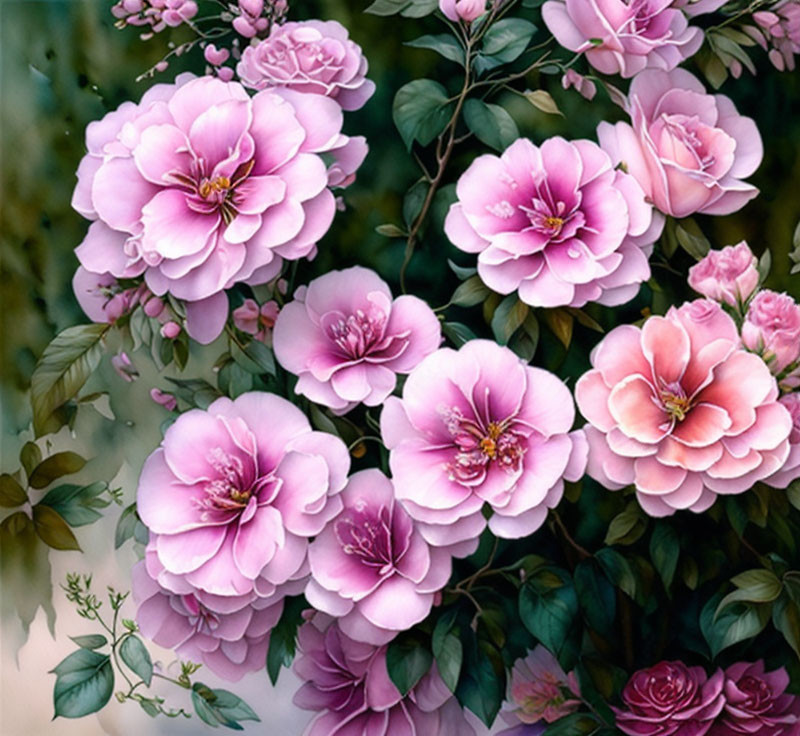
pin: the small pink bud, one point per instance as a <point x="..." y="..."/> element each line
<point x="242" y="26"/>
<point x="170" y="330"/>
<point x="225" y="73"/>
<point x="124" y="368"/>
<point x="166" y="400"/>
<point x="154" y="307"/>
<point x="215" y="56"/>
<point x="162" y="66"/>
<point x="252" y="7"/>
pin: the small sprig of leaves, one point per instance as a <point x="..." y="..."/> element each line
<point x="85" y="679"/>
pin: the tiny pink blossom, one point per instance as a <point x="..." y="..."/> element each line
<point x="370" y="566"/>
<point x="255" y="320"/>
<point x="689" y="150"/>
<point x="586" y="87"/>
<point x="466" y="10"/>
<point x="168" y="401"/>
<point x="478" y="426"/>
<point x="681" y="411"/>
<point x="556" y="223"/>
<point x="539" y="690"/>
<point x="309" y="56"/>
<point x="170" y="330"/>
<point x="347" y="339"/>
<point x="215" y="56"/>
<point x="781" y="27"/>
<point x="126" y="370"/>
<point x="620" y="37"/>
<point x="729" y="275"/>
<point x="772" y="329"/>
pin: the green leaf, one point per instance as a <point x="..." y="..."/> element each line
<point x="53" y="530"/>
<point x="542" y="100"/>
<point x="90" y="641"/>
<point x="754" y="586"/>
<point x="125" y="526"/>
<point x="481" y="687"/>
<point x="596" y="596"/>
<point x="443" y="44"/>
<point x="691" y="238"/>
<point x="53" y="467"/>
<point x="255" y="357"/>
<point x="76" y="504"/>
<point x="447" y="650"/>
<point x="413" y="201"/>
<point x="561" y="323"/>
<point x="283" y="639"/>
<point x="509" y="315"/>
<point x="84" y="683"/>
<point x="627" y="526"/>
<point x="491" y="124"/>
<point x="389" y="230"/>
<point x="233" y="707"/>
<point x="664" y="551"/>
<point x="457" y="333"/>
<point x="136" y="656"/>
<point x="470" y="292"/>
<point x="575" y="724"/>
<point x="618" y="570"/>
<point x="786" y="619"/>
<point x="30" y="456"/>
<point x="421" y="111"/>
<point x="549" y="614"/>
<point x="12" y="494"/>
<point x="407" y="8"/>
<point x="504" y="42"/>
<point x="407" y="661"/>
<point x="463" y="272"/>
<point x="736" y="623"/>
<point x="203" y="698"/>
<point x="65" y="365"/>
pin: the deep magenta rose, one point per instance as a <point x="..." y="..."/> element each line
<point x="670" y="699"/>
<point x="346" y="338"/>
<point x="233" y="495"/>
<point x="309" y="56"/>
<point x="681" y="411"/>
<point x="757" y="704"/>
<point x="729" y="275"/>
<point x="348" y="685"/>
<point x="478" y="426"/>
<point x="689" y="150"/>
<point x="772" y="329"/>
<point x="556" y="223"/>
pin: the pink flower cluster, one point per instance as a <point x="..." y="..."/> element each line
<point x="681" y="411"/>
<point x="556" y="223"/>
<point x="479" y="426"/>
<point x="671" y="699"/>
<point x="729" y="276"/>
<point x="256" y="321"/>
<point x="309" y="56"/>
<point x="219" y="189"/>
<point x="346" y="338"/>
<point x="156" y="15"/>
<point x="772" y="329"/>
<point x="231" y="499"/>
<point x="256" y="16"/>
<point x="779" y="28"/>
<point x="347" y="684"/>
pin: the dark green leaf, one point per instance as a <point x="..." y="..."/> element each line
<point x="508" y="317"/>
<point x="457" y="333"/>
<point x="596" y="596"/>
<point x="421" y="111"/>
<point x="53" y="530"/>
<point x="30" y="456"/>
<point x="754" y="586"/>
<point x="55" y="466"/>
<point x="283" y="639"/>
<point x="491" y="124"/>
<point x="736" y="623"/>
<point x="233" y="707"/>
<point x="549" y="614"/>
<point x="691" y="238"/>
<point x="463" y="272"/>
<point x="255" y="357"/>
<point x="447" y="650"/>
<point x="407" y="660"/>
<point x="627" y="526"/>
<point x="125" y="526"/>
<point x="561" y="323"/>
<point x="62" y="370"/>
<point x="12" y="494"/>
<point x="470" y="292"/>
<point x="203" y="698"/>
<point x="481" y="687"/>
<point x="504" y="41"/>
<point x="443" y="44"/>
<point x="75" y="504"/>
<point x="84" y="683"/>
<point x="664" y="551"/>
<point x="90" y="641"/>
<point x="618" y="570"/>
<point x="136" y="656"/>
<point x="413" y="201"/>
<point x="786" y="619"/>
<point x="575" y="724"/>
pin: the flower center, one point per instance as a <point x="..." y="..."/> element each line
<point x="228" y="491"/>
<point x="358" y="332"/>
<point x="675" y="401"/>
<point x="366" y="535"/>
<point x="203" y="620"/>
<point x="218" y="186"/>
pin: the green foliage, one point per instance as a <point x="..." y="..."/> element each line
<point x="408" y="658"/>
<point x="220" y="707"/>
<point x="84" y="683"/>
<point x="421" y="111"/>
<point x="283" y="639"/>
<point x="491" y="124"/>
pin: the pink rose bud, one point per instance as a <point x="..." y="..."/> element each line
<point x="246" y="317"/>
<point x="252" y="7"/>
<point x="772" y="329"/>
<point x="116" y="307"/>
<point x="466" y="10"/>
<point x="162" y="66"/>
<point x="586" y="87"/>
<point x="153" y="307"/>
<point x="215" y="56"/>
<point x="124" y="368"/>
<point x="729" y="275"/>
<point x="170" y="330"/>
<point x="225" y="73"/>
<point x="166" y="400"/>
<point x="243" y="27"/>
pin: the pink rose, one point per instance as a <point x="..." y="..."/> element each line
<point x="466" y="10"/>
<point x="670" y="699"/>
<point x="232" y="497"/>
<point x="370" y="567"/>
<point x="231" y="642"/>
<point x="556" y="223"/>
<point x="772" y="329"/>
<point x="791" y="468"/>
<point x="678" y="409"/>
<point x="478" y="426"/>
<point x="348" y="685"/>
<point x="729" y="275"/>
<point x="689" y="150"/>
<point x="219" y="189"/>
<point x="757" y="704"/>
<point x="346" y="338"/>
<point x="536" y="691"/>
<point x="310" y="56"/>
<point x="620" y="37"/>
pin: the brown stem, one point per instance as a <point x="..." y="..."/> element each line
<point x="583" y="553"/>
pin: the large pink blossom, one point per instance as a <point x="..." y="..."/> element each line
<point x="478" y="426"/>
<point x="348" y="685"/>
<point x="790" y="470"/>
<point x="199" y="187"/>
<point x="729" y="275"/>
<point x="772" y="329"/>
<point x="347" y="339"/>
<point x="233" y="495"/>
<point x="309" y="56"/>
<point x="556" y="223"/>
<point x="689" y="150"/>
<point x="670" y="699"/>
<point x="231" y="642"/>
<point x="371" y="567"/>
<point x="681" y="411"/>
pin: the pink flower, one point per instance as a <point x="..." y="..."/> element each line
<point x="689" y="150"/>
<point x="231" y="642"/>
<point x="466" y="10"/>
<point x="255" y="320"/>
<point x="586" y="87"/>
<point x="232" y="496"/>
<point x="168" y="401"/>
<point x="757" y="704"/>
<point x="479" y="426"/>
<point x="772" y="329"/>
<point x="623" y="37"/>
<point x="678" y="409"/>
<point x="729" y="275"/>
<point x="556" y="222"/>
<point x="781" y="28"/>
<point x="348" y="685"/>
<point x="155" y="14"/>
<point x="791" y="468"/>
<point x="670" y="699"/>
<point x="219" y="189"/>
<point x="100" y="296"/>
<point x="370" y="566"/>
<point x="310" y="56"/>
<point x="126" y="370"/>
<point x="538" y="690"/>
<point x="346" y="339"/>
